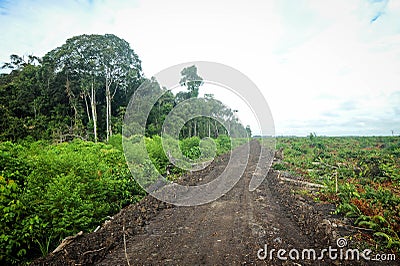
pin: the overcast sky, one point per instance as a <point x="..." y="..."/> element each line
<point x="329" y="67"/>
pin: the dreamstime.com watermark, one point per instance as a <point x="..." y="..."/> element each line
<point x="340" y="252"/>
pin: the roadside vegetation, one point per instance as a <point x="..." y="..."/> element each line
<point x="51" y="191"/>
<point x="361" y="176"/>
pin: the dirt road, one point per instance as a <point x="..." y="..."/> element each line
<point x="229" y="231"/>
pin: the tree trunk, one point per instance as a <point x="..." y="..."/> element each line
<point x="209" y="128"/>
<point x="216" y="129"/>
<point x="108" y="100"/>
<point x="87" y="106"/>
<point x="108" y="106"/>
<point x="72" y="101"/>
<point x="94" y="112"/>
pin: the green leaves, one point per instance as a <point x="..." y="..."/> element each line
<point x="348" y="209"/>
<point x="62" y="189"/>
<point x="59" y="96"/>
<point x="367" y="174"/>
<point x="391" y="242"/>
<point x="192" y="81"/>
<point x="15" y="229"/>
<point x="191" y="147"/>
<point x="223" y="144"/>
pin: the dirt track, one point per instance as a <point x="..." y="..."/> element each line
<point x="229" y="231"/>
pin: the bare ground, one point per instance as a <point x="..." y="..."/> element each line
<point x="228" y="231"/>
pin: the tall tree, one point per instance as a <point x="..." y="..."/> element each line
<point x="17" y="62"/>
<point x="118" y="61"/>
<point x="100" y="64"/>
<point x="76" y="61"/>
<point x="192" y="81"/>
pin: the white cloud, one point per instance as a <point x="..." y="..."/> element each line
<point x="350" y="59"/>
<point x="298" y="53"/>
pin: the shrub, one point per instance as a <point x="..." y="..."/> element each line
<point x="61" y="190"/>
<point x="190" y="147"/>
<point x="223" y="144"/>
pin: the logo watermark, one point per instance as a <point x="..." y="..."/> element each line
<point x="340" y="252"/>
<point x="148" y="96"/>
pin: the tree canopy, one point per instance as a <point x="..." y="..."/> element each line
<point x="75" y="90"/>
<point x="82" y="88"/>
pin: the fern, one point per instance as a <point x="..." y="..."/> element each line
<point x="384" y="235"/>
<point x="348" y="209"/>
<point x="390" y="241"/>
<point x="368" y="224"/>
<point x="380" y="219"/>
<point x="394" y="243"/>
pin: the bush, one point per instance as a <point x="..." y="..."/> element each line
<point x="157" y="154"/>
<point x="58" y="190"/>
<point x="116" y="141"/>
<point x="223" y="144"/>
<point x="190" y="147"/>
<point x="208" y="148"/>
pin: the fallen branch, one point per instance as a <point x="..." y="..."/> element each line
<point x="126" y="254"/>
<point x="91" y="251"/>
<point x="360" y="228"/>
<point x="66" y="241"/>
<point x="308" y="184"/>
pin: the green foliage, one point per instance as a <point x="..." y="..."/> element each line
<point x="248" y="130"/>
<point x="279" y="166"/>
<point x="116" y="141"/>
<point x="192" y="81"/>
<point x="50" y="97"/>
<point x="223" y="144"/>
<point x="157" y="154"/>
<point x="382" y="229"/>
<point x="348" y="209"/>
<point x="81" y="91"/>
<point x="348" y="191"/>
<point x="191" y="147"/>
<point x="367" y="174"/>
<point x="15" y="229"/>
<point x="208" y="148"/>
<point x="391" y="242"/>
<point x="82" y="88"/>
<point x="51" y="191"/>
<point x="236" y="142"/>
